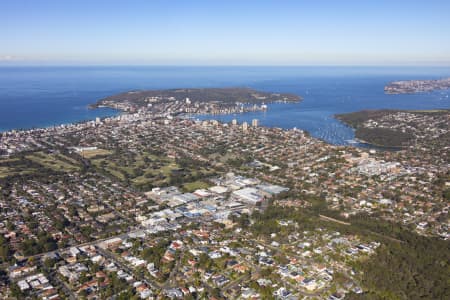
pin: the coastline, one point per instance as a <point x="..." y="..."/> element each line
<point x="327" y="128"/>
<point x="67" y="123"/>
<point x="365" y="144"/>
<point x="36" y="102"/>
<point x="394" y="129"/>
<point x="120" y="113"/>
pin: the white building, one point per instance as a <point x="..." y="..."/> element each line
<point x="248" y="195"/>
<point x="245" y="126"/>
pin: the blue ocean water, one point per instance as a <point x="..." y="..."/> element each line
<point x="45" y="96"/>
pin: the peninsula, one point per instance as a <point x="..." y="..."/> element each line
<point x="416" y="86"/>
<point x="198" y="100"/>
<point x="401" y="128"/>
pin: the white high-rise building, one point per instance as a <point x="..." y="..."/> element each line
<point x="244" y="126"/>
<point x="255" y="122"/>
<point x="234" y="122"/>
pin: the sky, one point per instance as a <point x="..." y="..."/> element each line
<point x="228" y="32"/>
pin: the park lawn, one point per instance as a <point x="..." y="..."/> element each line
<point x="17" y="170"/>
<point x="165" y="170"/>
<point x="110" y="167"/>
<point x="14" y="173"/>
<point x="153" y="170"/>
<point x="93" y="153"/>
<point x="67" y="158"/>
<point x="192" y="186"/>
<point x="157" y="165"/>
<point x="8" y="160"/>
<point x="116" y="173"/>
<point x="16" y="166"/>
<point x="53" y="161"/>
<point x="5" y="172"/>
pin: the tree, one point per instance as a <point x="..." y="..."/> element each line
<point x="215" y="292"/>
<point x="4" y="249"/>
<point x="16" y="292"/>
<point x="49" y="263"/>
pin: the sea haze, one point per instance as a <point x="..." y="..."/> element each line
<point x="45" y="96"/>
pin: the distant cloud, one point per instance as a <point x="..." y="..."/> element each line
<point x="11" y="59"/>
<point x="7" y="58"/>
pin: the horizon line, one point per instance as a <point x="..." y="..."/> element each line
<point x="223" y="65"/>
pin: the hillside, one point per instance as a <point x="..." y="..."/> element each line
<point x="224" y="97"/>
<point x="397" y="128"/>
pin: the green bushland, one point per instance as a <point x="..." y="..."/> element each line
<point x="405" y="266"/>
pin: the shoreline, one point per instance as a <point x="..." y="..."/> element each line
<point x="380" y="147"/>
<point x="64" y="124"/>
<point x="359" y="143"/>
<point x="118" y="111"/>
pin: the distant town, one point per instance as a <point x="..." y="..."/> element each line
<point x="417" y="86"/>
<point x="153" y="204"/>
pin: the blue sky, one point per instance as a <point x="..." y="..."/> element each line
<point x="244" y="32"/>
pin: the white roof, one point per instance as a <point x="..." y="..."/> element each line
<point x="218" y="189"/>
<point x="248" y="195"/>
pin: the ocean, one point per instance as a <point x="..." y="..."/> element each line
<point x="45" y="96"/>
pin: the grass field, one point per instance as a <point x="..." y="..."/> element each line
<point x="192" y="186"/>
<point x="93" y="153"/>
<point x="144" y="170"/>
<point x="56" y="162"/>
<point x="17" y="166"/>
<point x="5" y="172"/>
<point x="8" y="160"/>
